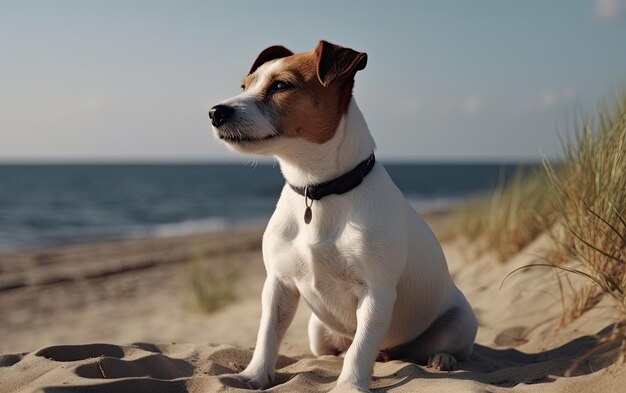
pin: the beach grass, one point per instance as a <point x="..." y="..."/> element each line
<point x="212" y="283"/>
<point x="580" y="202"/>
<point x="590" y="198"/>
<point x="510" y="219"/>
<point x="590" y="204"/>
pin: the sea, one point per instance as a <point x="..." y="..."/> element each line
<point x="45" y="205"/>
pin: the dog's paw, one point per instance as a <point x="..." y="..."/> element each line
<point x="246" y="381"/>
<point x="383" y="356"/>
<point x="349" y="388"/>
<point x="442" y="361"/>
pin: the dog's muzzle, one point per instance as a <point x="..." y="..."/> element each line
<point x="220" y="114"/>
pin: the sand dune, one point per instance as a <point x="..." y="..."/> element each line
<point x="55" y="303"/>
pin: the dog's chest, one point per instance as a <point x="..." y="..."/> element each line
<point x="326" y="277"/>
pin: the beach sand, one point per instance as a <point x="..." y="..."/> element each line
<point x="121" y="317"/>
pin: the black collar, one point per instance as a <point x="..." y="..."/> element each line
<point x="340" y="185"/>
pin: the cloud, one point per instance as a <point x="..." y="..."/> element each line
<point x="552" y="97"/>
<point x="609" y="9"/>
<point x="547" y="99"/>
<point x="471" y="105"/>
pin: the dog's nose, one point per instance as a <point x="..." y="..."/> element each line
<point x="220" y="114"/>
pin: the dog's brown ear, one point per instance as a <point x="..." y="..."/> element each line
<point x="336" y="62"/>
<point x="271" y="53"/>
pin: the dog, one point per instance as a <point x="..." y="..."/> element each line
<point x="343" y="237"/>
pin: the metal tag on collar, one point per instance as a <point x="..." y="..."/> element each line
<point x="308" y="214"/>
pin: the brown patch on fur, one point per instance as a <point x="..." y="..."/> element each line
<point x="309" y="109"/>
<point x="336" y="62"/>
<point x="268" y="54"/>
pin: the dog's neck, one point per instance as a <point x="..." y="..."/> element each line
<point x="306" y="163"/>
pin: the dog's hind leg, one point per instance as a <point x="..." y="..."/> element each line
<point x="324" y="341"/>
<point x="448" y="339"/>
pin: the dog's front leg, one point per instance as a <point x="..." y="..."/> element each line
<point x="373" y="317"/>
<point x="279" y="302"/>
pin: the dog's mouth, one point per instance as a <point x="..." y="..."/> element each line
<point x="238" y="138"/>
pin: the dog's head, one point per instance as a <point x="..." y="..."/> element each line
<point x="289" y="97"/>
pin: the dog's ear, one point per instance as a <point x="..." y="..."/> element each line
<point x="336" y="62"/>
<point x="271" y="53"/>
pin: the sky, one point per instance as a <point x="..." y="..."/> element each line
<point x="445" y="80"/>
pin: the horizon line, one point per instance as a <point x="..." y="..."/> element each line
<point x="265" y="162"/>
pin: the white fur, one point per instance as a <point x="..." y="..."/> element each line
<point x="249" y="118"/>
<point x="368" y="266"/>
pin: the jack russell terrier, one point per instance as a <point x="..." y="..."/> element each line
<point x="343" y="237"/>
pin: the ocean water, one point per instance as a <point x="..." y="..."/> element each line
<point x="47" y="205"/>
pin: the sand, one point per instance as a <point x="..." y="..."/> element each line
<point x="121" y="317"/>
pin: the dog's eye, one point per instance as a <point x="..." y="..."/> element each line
<point x="243" y="87"/>
<point x="280" y="85"/>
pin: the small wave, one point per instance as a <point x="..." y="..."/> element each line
<point x="424" y="205"/>
<point x="191" y="227"/>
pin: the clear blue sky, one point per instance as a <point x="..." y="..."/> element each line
<point x="446" y="80"/>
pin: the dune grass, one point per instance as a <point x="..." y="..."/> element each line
<point x="212" y="283"/>
<point x="589" y="201"/>
<point x="581" y="203"/>
<point x="510" y="219"/>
